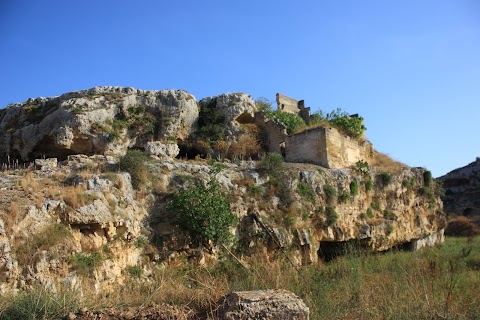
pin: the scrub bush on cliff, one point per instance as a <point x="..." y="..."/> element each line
<point x="203" y="210"/>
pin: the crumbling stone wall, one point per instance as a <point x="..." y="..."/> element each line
<point x="326" y="147"/>
<point x="287" y="104"/>
<point x="273" y="134"/>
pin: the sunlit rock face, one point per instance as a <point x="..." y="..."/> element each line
<point x="101" y="120"/>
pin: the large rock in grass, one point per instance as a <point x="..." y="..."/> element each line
<point x="102" y="120"/>
<point x="267" y="304"/>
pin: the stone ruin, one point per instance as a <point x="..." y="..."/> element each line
<point x="325" y="146"/>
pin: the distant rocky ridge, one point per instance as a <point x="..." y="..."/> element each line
<point x="462" y="190"/>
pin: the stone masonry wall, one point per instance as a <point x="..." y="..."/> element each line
<point x="344" y="151"/>
<point x="307" y="146"/>
<point x="287" y="104"/>
<point x="326" y="147"/>
<point x="273" y="134"/>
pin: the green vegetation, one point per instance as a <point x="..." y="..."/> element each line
<point x="134" y="163"/>
<point x="389" y="229"/>
<point x="135" y="271"/>
<point x="362" y="167"/>
<point x="354" y="188"/>
<point x="370" y="213"/>
<point x="273" y="166"/>
<point x="368" y="184"/>
<point x="388" y="214"/>
<point x="86" y="263"/>
<point x="332" y="215"/>
<point x="385" y="178"/>
<point x="204" y="211"/>
<point x="427" y="179"/>
<point x="330" y="193"/>
<point x="375" y="205"/>
<point x="306" y="191"/>
<point x="343" y="196"/>
<point x="211" y="122"/>
<point x="141" y="242"/>
<point x="292" y="122"/>
<point x="428" y="194"/>
<point x="352" y="126"/>
<point x="38" y="304"/>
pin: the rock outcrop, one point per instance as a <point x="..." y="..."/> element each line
<point x="262" y="305"/>
<point x="462" y="190"/>
<point x="102" y="120"/>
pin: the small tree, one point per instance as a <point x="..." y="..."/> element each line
<point x="204" y="211"/>
<point x="134" y="163"/>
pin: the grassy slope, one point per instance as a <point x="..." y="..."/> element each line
<point x="434" y="283"/>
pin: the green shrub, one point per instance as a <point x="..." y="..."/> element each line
<point x="332" y="215"/>
<point x="330" y="193"/>
<point x="292" y="122"/>
<point x="427" y="179"/>
<point x="135" y="271"/>
<point x="211" y="121"/>
<point x="368" y="184"/>
<point x="263" y="105"/>
<point x="362" y="167"/>
<point x="388" y="214"/>
<point x="344" y="196"/>
<point x="370" y="213"/>
<point x="204" y="211"/>
<point x="439" y="189"/>
<point x="375" y="205"/>
<point x="385" y="178"/>
<point x="352" y="126"/>
<point x="86" y="263"/>
<point x="389" y="229"/>
<point x="306" y="191"/>
<point x="134" y="163"/>
<point x="141" y="242"/>
<point x="290" y="221"/>
<point x="354" y="188"/>
<point x="272" y="164"/>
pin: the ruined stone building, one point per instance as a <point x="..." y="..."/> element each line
<point x="325" y="146"/>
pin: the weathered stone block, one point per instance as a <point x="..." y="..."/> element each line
<point x="262" y="304"/>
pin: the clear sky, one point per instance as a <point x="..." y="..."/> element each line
<point x="411" y="68"/>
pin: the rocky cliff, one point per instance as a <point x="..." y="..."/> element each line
<point x="462" y="190"/>
<point x="79" y="224"/>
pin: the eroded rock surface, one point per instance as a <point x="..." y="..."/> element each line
<point x="262" y="305"/>
<point x="462" y="190"/>
<point x="101" y="120"/>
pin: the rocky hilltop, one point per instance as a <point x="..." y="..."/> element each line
<point x="74" y="219"/>
<point x="462" y="190"/>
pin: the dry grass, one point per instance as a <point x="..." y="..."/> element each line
<point x="384" y="163"/>
<point x="75" y="196"/>
<point x="30" y="184"/>
<point x="462" y="227"/>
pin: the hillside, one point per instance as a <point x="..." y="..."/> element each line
<point x="98" y="187"/>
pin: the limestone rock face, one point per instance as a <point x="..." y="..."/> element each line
<point x="102" y="120"/>
<point x="238" y="108"/>
<point x="462" y="190"/>
<point x="162" y="150"/>
<point x="266" y="304"/>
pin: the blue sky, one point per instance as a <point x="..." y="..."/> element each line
<point x="410" y="68"/>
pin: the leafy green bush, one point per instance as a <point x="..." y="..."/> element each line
<point x="272" y="165"/>
<point x="306" y="191"/>
<point x="427" y="179"/>
<point x="211" y="121"/>
<point x="368" y="184"/>
<point x="388" y="214"/>
<point x="135" y="271"/>
<point x="385" y="178"/>
<point x="370" y="213"/>
<point x="362" y="167"/>
<point x="263" y="105"/>
<point x="375" y="205"/>
<point x="332" y="215"/>
<point x="141" y="242"/>
<point x="204" y="211"/>
<point x="86" y="263"/>
<point x="354" y="188"/>
<point x="389" y="229"/>
<point x="330" y="193"/>
<point x="292" y="122"/>
<point x="134" y="163"/>
<point x="350" y="125"/>
<point x="344" y="196"/>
